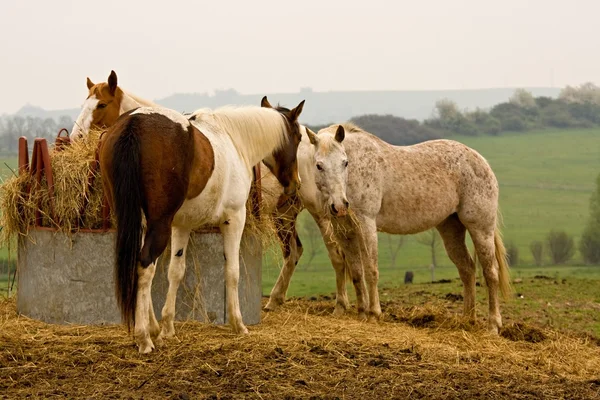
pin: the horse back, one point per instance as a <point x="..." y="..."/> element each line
<point x="166" y="157"/>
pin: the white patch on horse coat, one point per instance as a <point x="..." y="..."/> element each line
<point x="82" y="125"/>
<point x="232" y="135"/>
<point x="167" y="112"/>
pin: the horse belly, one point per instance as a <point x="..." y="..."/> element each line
<point x="407" y="215"/>
<point x="197" y="212"/>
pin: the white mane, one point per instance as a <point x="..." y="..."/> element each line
<point x="141" y="101"/>
<point x="131" y="101"/>
<point x="252" y="129"/>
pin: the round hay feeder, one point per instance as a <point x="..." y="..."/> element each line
<point x="67" y="276"/>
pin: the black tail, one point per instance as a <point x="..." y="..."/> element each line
<point x="127" y="203"/>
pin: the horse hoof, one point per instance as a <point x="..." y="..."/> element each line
<point x="493" y="329"/>
<point x="373" y="318"/>
<point x="339" y="311"/>
<point x="145" y="346"/>
<point x="167" y="332"/>
<point x="273" y="305"/>
<point x="158" y="341"/>
<point x="362" y="317"/>
<point x="242" y="330"/>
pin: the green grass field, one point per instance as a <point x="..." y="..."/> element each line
<point x="546" y="179"/>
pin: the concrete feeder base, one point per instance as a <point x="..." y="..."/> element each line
<point x="66" y="279"/>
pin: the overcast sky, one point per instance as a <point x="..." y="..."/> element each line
<point x="158" y="48"/>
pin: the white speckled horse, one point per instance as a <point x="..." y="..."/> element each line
<point x="399" y="190"/>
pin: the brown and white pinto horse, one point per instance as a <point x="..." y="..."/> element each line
<point x="184" y="174"/>
<point x="106" y="101"/>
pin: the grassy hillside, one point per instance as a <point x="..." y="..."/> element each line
<point x="546" y="179"/>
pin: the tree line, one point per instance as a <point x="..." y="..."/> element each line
<point x="14" y="126"/>
<point x="575" y="107"/>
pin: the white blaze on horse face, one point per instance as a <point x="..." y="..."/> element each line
<point x="331" y="173"/>
<point x="82" y="125"/>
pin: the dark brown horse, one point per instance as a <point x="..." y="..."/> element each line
<point x="184" y="174"/>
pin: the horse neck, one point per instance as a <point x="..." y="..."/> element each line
<point x="255" y="135"/>
<point x="130" y="101"/>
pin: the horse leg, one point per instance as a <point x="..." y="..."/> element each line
<point x="453" y="233"/>
<point x="292" y="250"/>
<point x="141" y="329"/>
<point x="232" y="229"/>
<point x="485" y="248"/>
<point x="154" y="327"/>
<point x="352" y="245"/>
<point x="179" y="242"/>
<point x="371" y="267"/>
<point x="336" y="256"/>
<point x="155" y="241"/>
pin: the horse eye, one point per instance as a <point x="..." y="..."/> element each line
<point x="319" y="167"/>
<point x="346" y="163"/>
<point x="101" y="105"/>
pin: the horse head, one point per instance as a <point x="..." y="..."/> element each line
<point x="100" y="109"/>
<point x="331" y="168"/>
<point x="283" y="162"/>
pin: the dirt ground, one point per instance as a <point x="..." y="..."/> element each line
<point x="301" y="351"/>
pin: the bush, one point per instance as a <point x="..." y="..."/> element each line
<point x="537" y="251"/>
<point x="492" y="126"/>
<point x="396" y="130"/>
<point x="557" y="116"/>
<point x="513" y="123"/>
<point x="589" y="246"/>
<point x="561" y="247"/>
<point x="512" y="253"/>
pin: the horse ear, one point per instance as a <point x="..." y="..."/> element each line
<point x="265" y="103"/>
<point x="90" y="84"/>
<point x="340" y="134"/>
<point x="312" y="137"/>
<point x="295" y="113"/>
<point x="112" y="82"/>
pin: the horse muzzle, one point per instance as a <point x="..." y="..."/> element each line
<point x="340" y="210"/>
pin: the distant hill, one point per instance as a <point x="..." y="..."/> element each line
<point x="326" y="107"/>
<point x="34" y="111"/>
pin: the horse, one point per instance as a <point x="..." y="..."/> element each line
<point x="181" y="174"/>
<point x="366" y="185"/>
<point x="106" y="101"/>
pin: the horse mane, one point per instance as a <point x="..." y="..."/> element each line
<point x="251" y="128"/>
<point x="349" y="127"/>
<point x="140" y="100"/>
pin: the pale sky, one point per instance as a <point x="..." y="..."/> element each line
<point x="158" y="48"/>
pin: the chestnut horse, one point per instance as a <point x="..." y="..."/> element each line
<point x="184" y="174"/>
<point x="106" y="101"/>
<point x="399" y="190"/>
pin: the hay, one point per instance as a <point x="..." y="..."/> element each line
<point x="72" y="168"/>
<point x="300" y="351"/>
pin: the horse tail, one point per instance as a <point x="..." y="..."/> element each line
<point x="502" y="260"/>
<point x="127" y="203"/>
<point x="503" y="268"/>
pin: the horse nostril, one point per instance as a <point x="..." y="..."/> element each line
<point x="346" y="204"/>
<point x="333" y="209"/>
